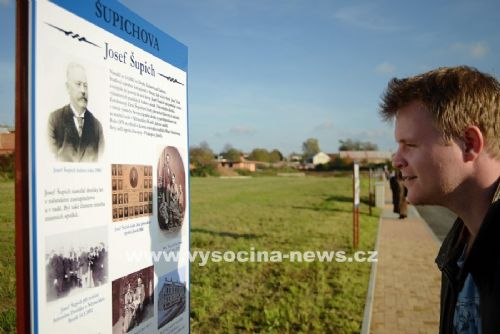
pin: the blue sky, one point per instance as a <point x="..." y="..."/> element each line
<point x="273" y="73"/>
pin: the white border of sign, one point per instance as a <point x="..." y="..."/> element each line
<point x="70" y="201"/>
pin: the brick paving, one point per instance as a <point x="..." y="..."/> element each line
<point x="407" y="284"/>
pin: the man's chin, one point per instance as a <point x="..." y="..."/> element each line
<point x="419" y="200"/>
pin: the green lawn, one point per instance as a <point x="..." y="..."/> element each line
<point x="7" y="259"/>
<point x="268" y="213"/>
<point x="273" y="213"/>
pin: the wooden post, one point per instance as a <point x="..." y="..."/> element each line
<point x="370" y="198"/>
<point x="356" y="228"/>
<point x="355" y="210"/>
<point x="21" y="171"/>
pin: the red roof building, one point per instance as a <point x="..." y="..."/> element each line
<point x="7" y="143"/>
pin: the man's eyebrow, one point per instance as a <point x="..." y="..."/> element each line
<point x="405" y="141"/>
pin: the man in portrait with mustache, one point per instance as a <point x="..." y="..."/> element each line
<point x="75" y="134"/>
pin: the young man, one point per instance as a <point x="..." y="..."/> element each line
<point x="448" y="134"/>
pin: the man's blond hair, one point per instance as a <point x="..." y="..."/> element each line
<point x="457" y="97"/>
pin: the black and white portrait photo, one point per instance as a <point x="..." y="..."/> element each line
<point x="75" y="262"/>
<point x="75" y="134"/>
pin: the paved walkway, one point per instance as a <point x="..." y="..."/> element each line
<point x="407" y="284"/>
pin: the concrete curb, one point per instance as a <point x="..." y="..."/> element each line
<point x="367" y="318"/>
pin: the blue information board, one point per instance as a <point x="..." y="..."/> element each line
<point x="109" y="175"/>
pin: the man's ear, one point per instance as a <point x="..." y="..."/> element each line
<point x="473" y="143"/>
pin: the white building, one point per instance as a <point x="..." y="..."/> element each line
<point x="368" y="156"/>
<point x="320" y="158"/>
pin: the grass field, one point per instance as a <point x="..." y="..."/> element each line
<point x="272" y="213"/>
<point x="7" y="260"/>
<point x="268" y="213"/>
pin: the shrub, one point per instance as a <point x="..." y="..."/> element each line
<point x="204" y="171"/>
<point x="7" y="166"/>
<point x="243" y="172"/>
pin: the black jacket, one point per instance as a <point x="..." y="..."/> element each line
<point x="483" y="262"/>
<point x="65" y="141"/>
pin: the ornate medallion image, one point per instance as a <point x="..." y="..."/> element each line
<point x="171" y="190"/>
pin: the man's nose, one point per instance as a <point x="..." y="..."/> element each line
<point x="83" y="88"/>
<point x="398" y="160"/>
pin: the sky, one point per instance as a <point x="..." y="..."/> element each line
<point x="271" y="74"/>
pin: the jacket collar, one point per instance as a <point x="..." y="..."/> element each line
<point x="496" y="197"/>
<point x="455" y="240"/>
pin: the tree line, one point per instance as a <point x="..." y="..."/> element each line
<point x="203" y="158"/>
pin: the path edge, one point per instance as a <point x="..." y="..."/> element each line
<point x="367" y="318"/>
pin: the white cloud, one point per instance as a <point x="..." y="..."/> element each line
<point x="475" y="50"/>
<point x="366" y="17"/>
<point x="328" y="125"/>
<point x="385" y="68"/>
<point x="235" y="131"/>
<point x="241" y="130"/>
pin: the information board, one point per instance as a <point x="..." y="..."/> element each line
<point x="108" y="162"/>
